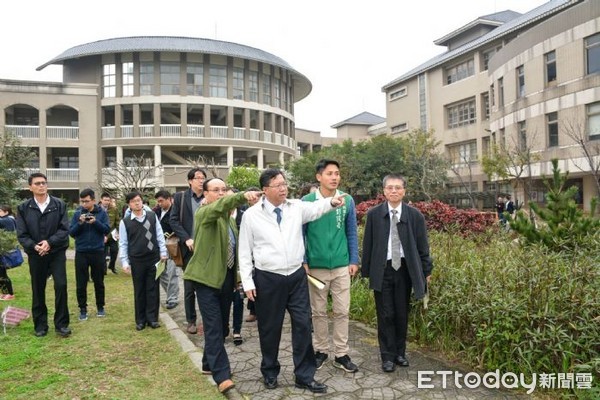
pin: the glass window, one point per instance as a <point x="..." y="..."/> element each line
<point x="169" y="78"/>
<point x="398" y="93"/>
<point x="520" y="81"/>
<point x="592" y="49"/>
<point x="461" y="114"/>
<point x="284" y="96"/>
<point x="127" y="78"/>
<point x="501" y="92"/>
<point x="266" y="86"/>
<point x="194" y="79"/>
<point x="552" y="121"/>
<point x="463" y="154"/>
<point x="522" y="136"/>
<point x="593" y="120"/>
<point x="550" y="66"/>
<point x="217" y="81"/>
<point x="146" y="78"/>
<point x="400" y="128"/>
<point x="109" y="80"/>
<point x="277" y="92"/>
<point x="238" y="83"/>
<point x="460" y="71"/>
<point x="487" y="55"/>
<point x="485" y="101"/>
<point x="253" y="86"/>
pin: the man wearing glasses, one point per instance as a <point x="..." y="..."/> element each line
<point x="181" y="219"/>
<point x="43" y="231"/>
<point x="271" y="236"/>
<point x="396" y="260"/>
<point x="89" y="226"/>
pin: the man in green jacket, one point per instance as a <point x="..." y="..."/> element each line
<point x="212" y="272"/>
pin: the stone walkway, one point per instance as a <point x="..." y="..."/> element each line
<point x="368" y="383"/>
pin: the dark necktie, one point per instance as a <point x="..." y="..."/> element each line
<point x="396" y="245"/>
<point x="230" y="250"/>
<point x="278" y="212"/>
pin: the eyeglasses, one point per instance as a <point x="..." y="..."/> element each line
<point x="278" y="187"/>
<point x="85" y="201"/>
<point x="40" y="183"/>
<point x="391" y="188"/>
<point x="220" y="190"/>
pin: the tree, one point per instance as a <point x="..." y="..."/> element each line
<point x="14" y="158"/>
<point x="590" y="150"/>
<point x="134" y="174"/>
<point x="243" y="177"/>
<point x="564" y="224"/>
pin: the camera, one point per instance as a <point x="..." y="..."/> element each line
<point x="88" y="217"/>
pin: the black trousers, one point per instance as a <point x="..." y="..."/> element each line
<point x="145" y="292"/>
<point x="84" y="263"/>
<point x="40" y="268"/>
<point x="189" y="294"/>
<point x="274" y="295"/>
<point x="392" y="305"/>
<point x="5" y="282"/>
<point x="215" y="305"/>
<point x="111" y="250"/>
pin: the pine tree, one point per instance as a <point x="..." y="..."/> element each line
<point x="563" y="225"/>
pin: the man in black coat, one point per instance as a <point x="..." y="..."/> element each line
<point x="43" y="231"/>
<point x="181" y="219"/>
<point x="395" y="262"/>
<point x="168" y="279"/>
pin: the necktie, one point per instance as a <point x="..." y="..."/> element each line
<point x="230" y="250"/>
<point x="396" y="258"/>
<point x="278" y="212"/>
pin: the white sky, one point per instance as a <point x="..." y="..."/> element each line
<point x="348" y="49"/>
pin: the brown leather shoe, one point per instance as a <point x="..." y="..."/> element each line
<point x="191" y="328"/>
<point x="226" y="385"/>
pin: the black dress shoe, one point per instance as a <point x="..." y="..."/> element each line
<point x="314" y="386"/>
<point x="139" y="327"/>
<point x="64" y="332"/>
<point x="41" y="333"/>
<point x="154" y="325"/>
<point x="401" y="361"/>
<point x="388" y="366"/>
<point x="271" y="383"/>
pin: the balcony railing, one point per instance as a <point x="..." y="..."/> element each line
<point x="278" y="138"/>
<point x="24" y="131"/>
<point x="218" y="132"/>
<point x="62" y="132"/>
<point x="108" y="132"/>
<point x="268" y="136"/>
<point x="126" y="131"/>
<point x="254" y="134"/>
<point x="146" y="130"/>
<point x="170" y="130"/>
<point x="239" y="133"/>
<point x="63" y="174"/>
<point x="195" y="130"/>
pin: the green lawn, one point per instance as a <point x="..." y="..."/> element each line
<point x="104" y="358"/>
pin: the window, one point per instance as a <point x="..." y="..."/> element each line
<point x="460" y="71"/>
<point x="146" y="78"/>
<point x="550" y="59"/>
<point x="485" y="102"/>
<point x="253" y="86"/>
<point x="194" y="79"/>
<point x="277" y="92"/>
<point x="66" y="162"/>
<point x="492" y="95"/>
<point x="238" y="83"/>
<point x="522" y="136"/>
<point x="169" y="77"/>
<point x="463" y="154"/>
<point x="127" y="79"/>
<point x="461" y="114"/>
<point x="266" y="86"/>
<point x="487" y="55"/>
<point x="398" y="94"/>
<point x="520" y="81"/>
<point x="593" y="120"/>
<point x="592" y="52"/>
<point x="552" y="121"/>
<point x="217" y="81"/>
<point x="501" y="92"/>
<point x="284" y="96"/>
<point x="109" y="80"/>
<point x="400" y="128"/>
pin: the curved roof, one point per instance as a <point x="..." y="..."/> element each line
<point x="302" y="86"/>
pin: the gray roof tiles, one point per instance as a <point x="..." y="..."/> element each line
<point x="364" y="118"/>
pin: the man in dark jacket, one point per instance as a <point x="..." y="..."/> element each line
<point x="89" y="226"/>
<point x="168" y="279"/>
<point x="396" y="260"/>
<point x="43" y="231"/>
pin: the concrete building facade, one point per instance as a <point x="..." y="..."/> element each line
<point x="170" y="100"/>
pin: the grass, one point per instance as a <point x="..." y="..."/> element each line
<point x="105" y="358"/>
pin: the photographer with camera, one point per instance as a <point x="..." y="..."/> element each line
<point x="89" y="226"/>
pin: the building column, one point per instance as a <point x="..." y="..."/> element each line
<point x="259" y="159"/>
<point x="119" y="155"/>
<point x="229" y="157"/>
<point x="281" y="159"/>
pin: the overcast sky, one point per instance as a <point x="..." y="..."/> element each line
<point x="348" y="49"/>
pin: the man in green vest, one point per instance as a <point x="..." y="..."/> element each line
<point x="332" y="256"/>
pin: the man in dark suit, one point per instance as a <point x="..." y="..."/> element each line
<point x="395" y="261"/>
<point x="183" y="209"/>
<point x="168" y="279"/>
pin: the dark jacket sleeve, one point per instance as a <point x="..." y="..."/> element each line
<point x="60" y="238"/>
<point x="174" y="218"/>
<point x="367" y="247"/>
